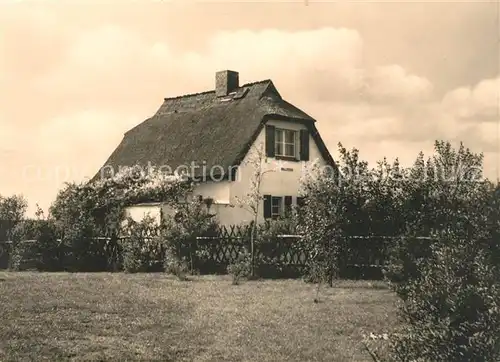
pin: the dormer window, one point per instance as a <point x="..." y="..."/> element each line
<point x="291" y="145"/>
<point x="285" y="143"/>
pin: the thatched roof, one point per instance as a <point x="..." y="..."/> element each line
<point x="207" y="129"/>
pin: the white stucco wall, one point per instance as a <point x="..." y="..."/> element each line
<point x="138" y="212"/>
<point x="219" y="191"/>
<point x="277" y="183"/>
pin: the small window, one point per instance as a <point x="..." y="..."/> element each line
<point x="285" y="143"/>
<point x="276" y="207"/>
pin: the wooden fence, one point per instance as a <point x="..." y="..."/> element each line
<point x="28" y="262"/>
<point x="280" y="255"/>
<point x="284" y="255"/>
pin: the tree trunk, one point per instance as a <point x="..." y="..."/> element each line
<point x="252" y="251"/>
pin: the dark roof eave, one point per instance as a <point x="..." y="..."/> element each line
<point x="281" y="117"/>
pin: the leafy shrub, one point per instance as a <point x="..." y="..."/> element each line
<point x="447" y="281"/>
<point x="241" y="268"/>
<point x="271" y="246"/>
<point x="46" y="250"/>
<point x="12" y="211"/>
<point x="83" y="212"/>
<point x="452" y="312"/>
<point x="450" y="300"/>
<point x="176" y="267"/>
<point x="405" y="261"/>
<point x="180" y="232"/>
<point x="21" y="252"/>
<point x="441" y="193"/>
<point x="142" y="247"/>
<point x="349" y="200"/>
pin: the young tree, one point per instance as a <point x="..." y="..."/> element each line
<point x="13" y="208"/>
<point x="252" y="201"/>
<point x="12" y="212"/>
<point x="352" y="200"/>
<point x="192" y="220"/>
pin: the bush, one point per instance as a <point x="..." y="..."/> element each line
<point x="450" y="300"/>
<point x="22" y="253"/>
<point x="180" y="235"/>
<point x="241" y="268"/>
<point x="452" y="311"/>
<point x="142" y="246"/>
<point x="405" y="261"/>
<point x="351" y="200"/>
<point x="45" y="252"/>
<point x="447" y="281"/>
<point x="83" y="212"/>
<point x="270" y="247"/>
<point x="176" y="267"/>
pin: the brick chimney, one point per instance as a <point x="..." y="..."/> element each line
<point x="226" y="81"/>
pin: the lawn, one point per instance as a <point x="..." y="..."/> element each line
<point x="118" y="317"/>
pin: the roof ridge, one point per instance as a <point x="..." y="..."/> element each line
<point x="213" y="90"/>
<point x="257" y="82"/>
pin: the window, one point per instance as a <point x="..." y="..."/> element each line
<point x="276" y="207"/>
<point x="285" y="143"/>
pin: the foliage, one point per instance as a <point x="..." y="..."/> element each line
<point x="88" y="210"/>
<point x="176" y="267"/>
<point x="241" y="268"/>
<point x="142" y="246"/>
<point x="252" y="200"/>
<point x="270" y="245"/>
<point x="46" y="246"/>
<point x="347" y="201"/>
<point x="445" y="192"/>
<point x="20" y="253"/>
<point x="449" y="284"/>
<point x="12" y="211"/>
<point x="452" y="311"/>
<point x="391" y="201"/>
<point x="444" y="263"/>
<point x="180" y="231"/>
<point x="13" y="207"/>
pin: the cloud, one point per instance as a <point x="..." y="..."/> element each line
<point x="478" y="103"/>
<point x="99" y="81"/>
<point x="394" y="83"/>
<point x="90" y="132"/>
<point x="322" y="64"/>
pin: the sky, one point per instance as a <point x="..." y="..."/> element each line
<point x="387" y="78"/>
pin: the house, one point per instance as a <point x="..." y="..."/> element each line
<point x="211" y="135"/>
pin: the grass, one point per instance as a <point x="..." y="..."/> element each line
<point x="119" y="317"/>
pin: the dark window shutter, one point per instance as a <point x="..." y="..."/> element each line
<point x="304" y="145"/>
<point x="270" y="134"/>
<point x="233" y="173"/>
<point x="267" y="206"/>
<point x="288" y="204"/>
